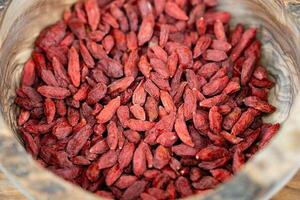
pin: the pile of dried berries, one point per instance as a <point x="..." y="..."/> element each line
<point x="150" y="99"/>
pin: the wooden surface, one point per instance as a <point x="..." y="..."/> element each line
<point x="290" y="192"/>
<point x="8" y="191"/>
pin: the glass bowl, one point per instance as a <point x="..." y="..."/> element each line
<point x="278" y="22"/>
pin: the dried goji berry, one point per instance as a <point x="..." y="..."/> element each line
<point x="111" y="92"/>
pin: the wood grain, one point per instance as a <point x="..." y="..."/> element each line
<point x="290" y="192"/>
<point x="8" y="191"/>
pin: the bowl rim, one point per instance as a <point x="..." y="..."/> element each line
<point x="29" y="177"/>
